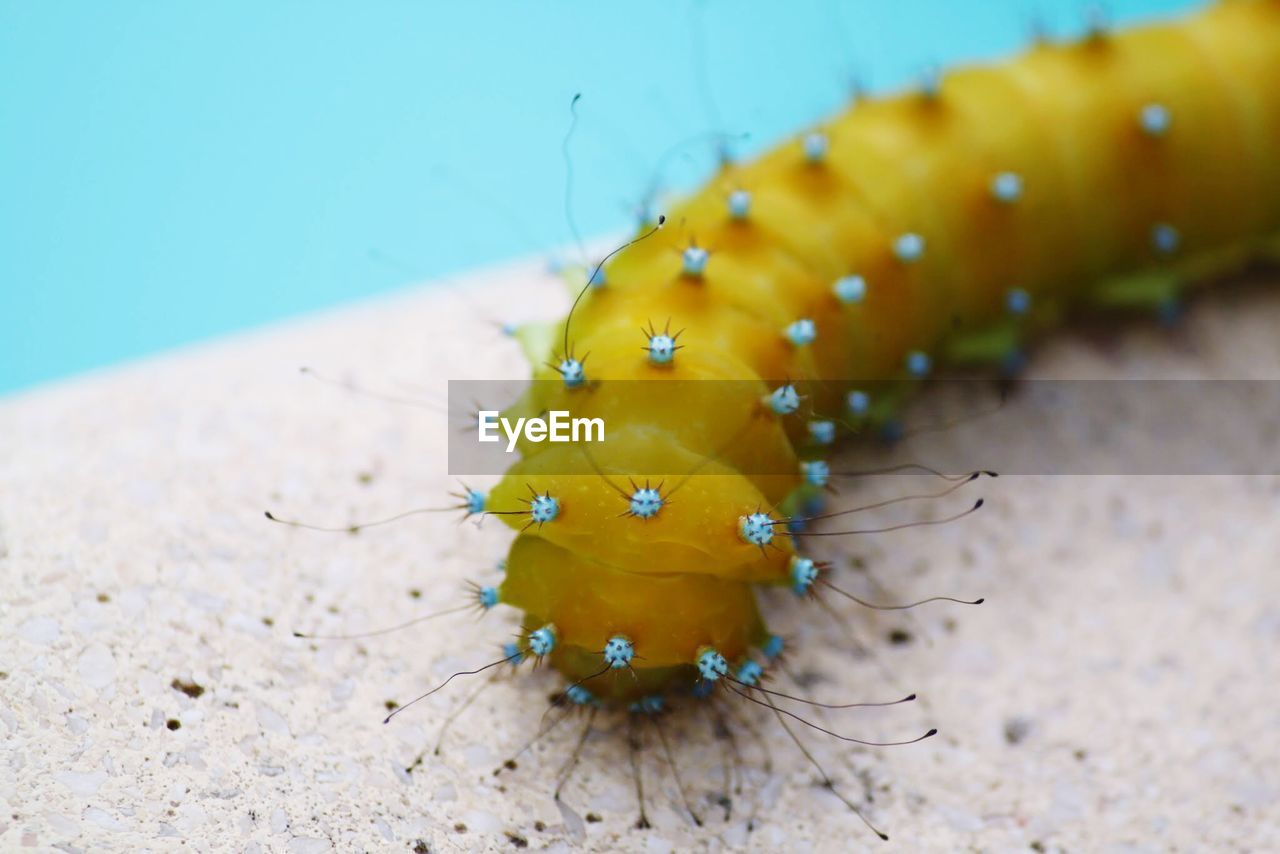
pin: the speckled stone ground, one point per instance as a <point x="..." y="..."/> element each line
<point x="1117" y="691"/>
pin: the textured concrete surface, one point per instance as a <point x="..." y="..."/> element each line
<point x="1117" y="691"/>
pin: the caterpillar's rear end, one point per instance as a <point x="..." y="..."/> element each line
<point x="943" y="226"/>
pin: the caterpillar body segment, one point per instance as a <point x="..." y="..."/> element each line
<point x="943" y="226"/>
<point x="659" y="614"/>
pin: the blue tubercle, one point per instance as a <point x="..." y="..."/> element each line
<point x="580" y="696"/>
<point x="618" y="652"/>
<point x="919" y="364"/>
<point x="572" y="372"/>
<point x="1165" y="239"/>
<point x="850" y="289"/>
<point x="816" y="472"/>
<point x="645" y="502"/>
<point x="813" y="504"/>
<point x="908" y="248"/>
<point x="475" y="502"/>
<point x="784" y="399"/>
<point x="858" y="402"/>
<point x="822" y="432"/>
<point x="511" y="651"/>
<point x="756" y="528"/>
<point x="652" y="704"/>
<point x="597" y="278"/>
<point x="694" y="261"/>
<point x="815" y="147"/>
<point x="702" y="689"/>
<point x="543" y="640"/>
<point x="1006" y="187"/>
<point x="544" y="508"/>
<point x="773" y="647"/>
<point x="1154" y="119"/>
<point x="662" y="349"/>
<point x="739" y="204"/>
<point x="711" y="664"/>
<point x="1017" y="301"/>
<point x="931" y="82"/>
<point x="488" y="597"/>
<point x="801" y="332"/>
<point x="803" y="573"/>
<point x="749" y="673"/>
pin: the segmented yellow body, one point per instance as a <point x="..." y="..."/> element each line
<point x="940" y="226"/>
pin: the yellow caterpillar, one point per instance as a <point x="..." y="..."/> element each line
<point x="943" y="226"/>
<point x="802" y="296"/>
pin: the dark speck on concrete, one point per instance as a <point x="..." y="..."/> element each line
<point x="191" y="689"/>
<point x="1016" y="730"/>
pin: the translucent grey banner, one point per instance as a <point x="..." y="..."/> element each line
<point x="1132" y="427"/>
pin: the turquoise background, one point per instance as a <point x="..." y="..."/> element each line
<point x="173" y="170"/>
